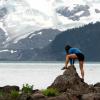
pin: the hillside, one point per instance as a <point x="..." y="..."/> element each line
<point x="87" y="38"/>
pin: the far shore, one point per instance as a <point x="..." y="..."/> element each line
<point x="46" y="62"/>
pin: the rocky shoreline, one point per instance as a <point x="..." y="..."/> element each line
<point x="69" y="87"/>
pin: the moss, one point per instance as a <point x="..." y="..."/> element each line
<point x="50" y="92"/>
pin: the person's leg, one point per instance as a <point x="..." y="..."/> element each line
<point x="81" y="68"/>
<point x="68" y="57"/>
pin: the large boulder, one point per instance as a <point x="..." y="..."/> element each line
<point x="70" y="81"/>
<point x="9" y="89"/>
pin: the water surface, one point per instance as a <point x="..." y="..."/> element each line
<point x="41" y="75"/>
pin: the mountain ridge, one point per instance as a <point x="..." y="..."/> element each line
<point x="86" y="38"/>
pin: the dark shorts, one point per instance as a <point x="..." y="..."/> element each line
<point x="80" y="56"/>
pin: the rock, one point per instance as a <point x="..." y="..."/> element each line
<point x="64" y="96"/>
<point x="97" y="89"/>
<point x="8" y="89"/>
<point x="97" y="85"/>
<point x="1" y="98"/>
<point x="91" y="96"/>
<point x="70" y="80"/>
<point x="38" y="96"/>
<point x="24" y="96"/>
<point x="36" y="91"/>
<point x="97" y="10"/>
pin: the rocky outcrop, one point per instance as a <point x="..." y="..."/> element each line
<point x="71" y="84"/>
<point x="69" y="81"/>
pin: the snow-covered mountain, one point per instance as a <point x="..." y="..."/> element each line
<point x="31" y="25"/>
<point x="36" y="48"/>
<point x="38" y="39"/>
<point x="29" y="46"/>
<point x="22" y="17"/>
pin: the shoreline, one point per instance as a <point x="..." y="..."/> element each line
<point x="46" y="62"/>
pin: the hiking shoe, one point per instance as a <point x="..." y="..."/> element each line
<point x="82" y="80"/>
<point x="64" y="68"/>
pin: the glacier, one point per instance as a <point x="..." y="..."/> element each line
<point x="26" y="16"/>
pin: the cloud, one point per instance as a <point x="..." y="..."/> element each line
<point x="27" y="16"/>
<point x="43" y="6"/>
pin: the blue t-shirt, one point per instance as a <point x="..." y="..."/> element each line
<point x="73" y="51"/>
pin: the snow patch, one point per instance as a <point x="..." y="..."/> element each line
<point x="71" y="7"/>
<point x="40" y="33"/>
<point x="32" y="36"/>
<point x="4" y="50"/>
<point x="19" y="38"/>
<point x="13" y="51"/>
<point x="79" y="13"/>
<point x="50" y="40"/>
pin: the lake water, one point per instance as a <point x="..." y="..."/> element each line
<point x="41" y="75"/>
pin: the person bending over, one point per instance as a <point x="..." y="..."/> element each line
<point x="71" y="55"/>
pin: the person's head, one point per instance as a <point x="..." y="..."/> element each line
<point x="67" y="47"/>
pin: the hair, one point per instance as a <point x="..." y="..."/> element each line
<point x="67" y="47"/>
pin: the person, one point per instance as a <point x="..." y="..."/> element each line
<point x="72" y="55"/>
